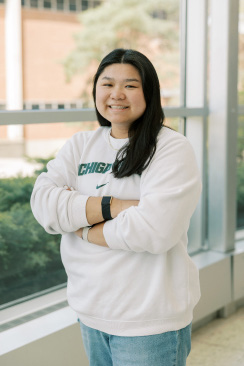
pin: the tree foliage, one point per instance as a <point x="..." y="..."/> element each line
<point x="150" y="26"/>
<point x="29" y="257"/>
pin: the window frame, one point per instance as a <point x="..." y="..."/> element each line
<point x="195" y="117"/>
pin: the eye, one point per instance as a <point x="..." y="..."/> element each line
<point x="130" y="86"/>
<point x="107" y="84"/>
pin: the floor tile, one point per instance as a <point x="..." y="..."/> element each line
<point x="219" y="343"/>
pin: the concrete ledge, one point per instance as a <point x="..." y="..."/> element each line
<point x="52" y="340"/>
<point x="216" y="283"/>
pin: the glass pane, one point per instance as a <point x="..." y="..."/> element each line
<point x="75" y="46"/>
<point x="35" y="106"/>
<point x="155" y="33"/>
<point x="240" y="174"/>
<point x="2" y="60"/>
<point x="240" y="145"/>
<point x="84" y="4"/>
<point x="241" y="53"/>
<point x="47" y="4"/>
<point x="34" y="3"/>
<point x="72" y="5"/>
<point x="29" y="257"/>
<point x="60" y="4"/>
<point x="177" y="124"/>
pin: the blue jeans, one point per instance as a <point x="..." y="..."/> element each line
<point x="166" y="349"/>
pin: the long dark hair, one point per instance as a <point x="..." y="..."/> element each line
<point x="135" y="156"/>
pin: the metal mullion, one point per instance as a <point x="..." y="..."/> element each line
<point x="205" y="133"/>
<point x="79" y="115"/>
<point x="183" y="51"/>
<point x="223" y="125"/>
<point x="195" y="95"/>
<point x="185" y="112"/>
<point x="46" y="116"/>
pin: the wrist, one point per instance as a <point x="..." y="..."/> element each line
<point x="115" y="207"/>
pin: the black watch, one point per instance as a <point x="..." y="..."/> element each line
<point x="106" y="202"/>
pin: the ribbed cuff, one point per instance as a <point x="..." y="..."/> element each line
<point x="110" y="234"/>
<point x="79" y="211"/>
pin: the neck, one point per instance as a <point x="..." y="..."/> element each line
<point x="119" y="133"/>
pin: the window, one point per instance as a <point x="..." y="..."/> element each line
<point x="2" y="63"/>
<point x="240" y="134"/>
<point x="35" y="106"/>
<point x="72" y="5"/>
<point x="34" y="3"/>
<point x="84" y="4"/>
<point x="240" y="174"/>
<point x="60" y="4"/>
<point x="59" y="58"/>
<point x="30" y="258"/>
<point x="47" y="4"/>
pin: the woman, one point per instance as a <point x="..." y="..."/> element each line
<point x="135" y="185"/>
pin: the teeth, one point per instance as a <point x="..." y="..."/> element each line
<point x="117" y="107"/>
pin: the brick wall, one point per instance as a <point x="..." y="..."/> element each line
<point x="47" y="39"/>
<point x="2" y="56"/>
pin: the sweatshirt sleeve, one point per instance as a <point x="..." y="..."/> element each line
<point x="60" y="211"/>
<point x="170" y="190"/>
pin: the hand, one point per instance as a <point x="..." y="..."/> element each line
<point x="95" y="235"/>
<point x="69" y="188"/>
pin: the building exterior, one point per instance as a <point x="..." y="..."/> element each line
<point x="46" y="33"/>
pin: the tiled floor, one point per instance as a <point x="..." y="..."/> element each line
<point x="219" y="343"/>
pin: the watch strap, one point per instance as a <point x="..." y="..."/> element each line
<point x="106" y="212"/>
<point x="85" y="232"/>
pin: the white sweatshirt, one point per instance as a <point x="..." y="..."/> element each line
<point x="145" y="282"/>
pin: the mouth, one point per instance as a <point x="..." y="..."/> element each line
<point x="117" y="107"/>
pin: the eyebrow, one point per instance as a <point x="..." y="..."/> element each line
<point x="126" y="80"/>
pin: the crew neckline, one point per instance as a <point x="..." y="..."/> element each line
<point x="114" y="143"/>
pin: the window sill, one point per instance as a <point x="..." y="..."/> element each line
<point x="36" y="329"/>
<point x="31" y="309"/>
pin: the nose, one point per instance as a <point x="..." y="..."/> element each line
<point x="117" y="94"/>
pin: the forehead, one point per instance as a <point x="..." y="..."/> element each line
<point x="120" y="72"/>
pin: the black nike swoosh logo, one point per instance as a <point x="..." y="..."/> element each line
<point x="97" y="187"/>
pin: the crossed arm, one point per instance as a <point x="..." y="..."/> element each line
<point x="95" y="217"/>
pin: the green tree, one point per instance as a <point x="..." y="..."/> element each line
<point x="150" y="26"/>
<point x="29" y="257"/>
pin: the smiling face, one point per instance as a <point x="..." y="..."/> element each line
<point x="119" y="97"/>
